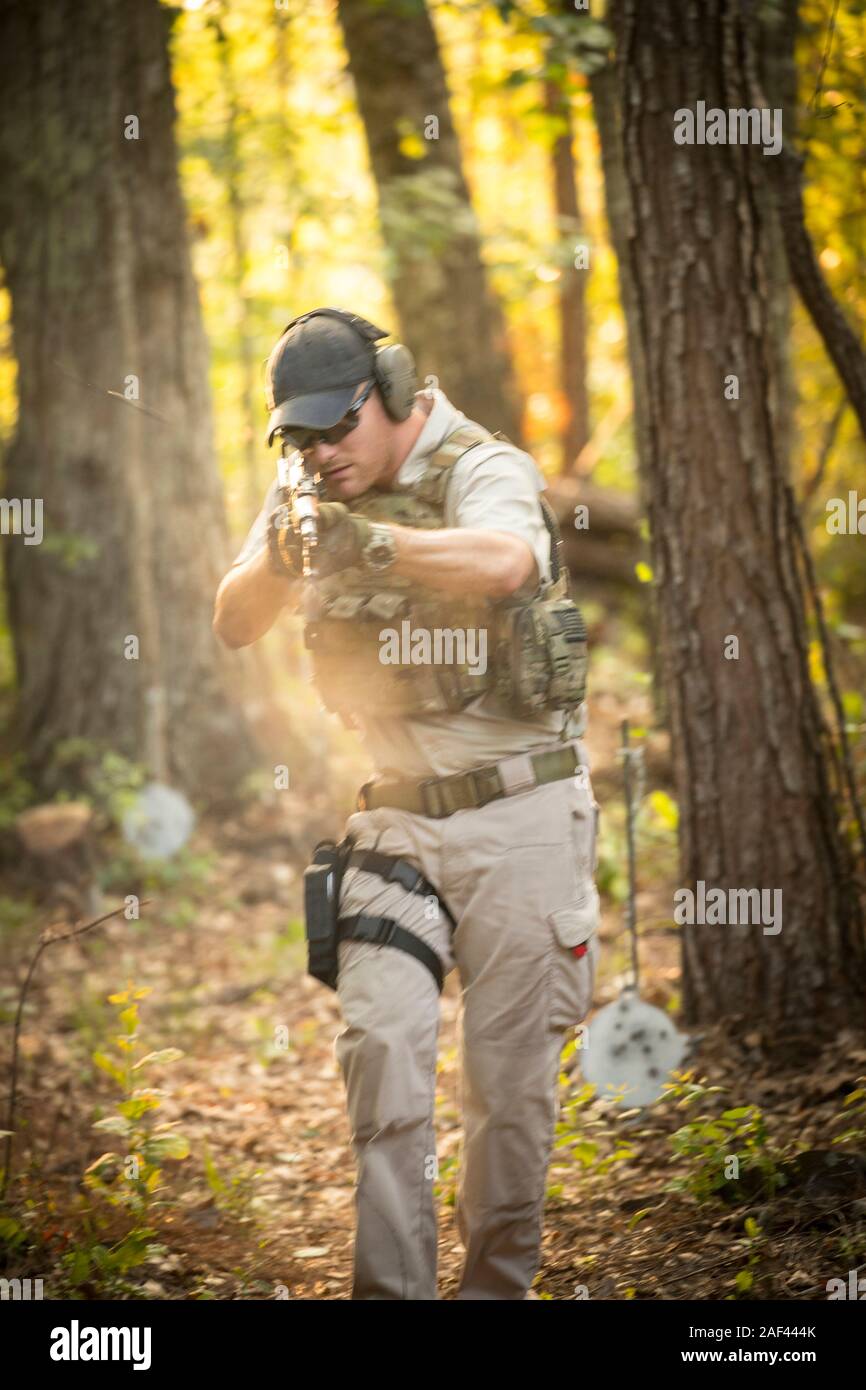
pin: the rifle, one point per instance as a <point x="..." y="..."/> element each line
<point x="299" y="492"/>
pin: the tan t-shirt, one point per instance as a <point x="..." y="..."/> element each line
<point x="494" y="487"/>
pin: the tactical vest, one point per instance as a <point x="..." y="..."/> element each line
<point x="535" y="648"/>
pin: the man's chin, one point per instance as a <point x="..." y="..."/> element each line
<point x="343" y="485"/>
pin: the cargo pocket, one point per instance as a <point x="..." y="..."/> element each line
<point x="573" y="954"/>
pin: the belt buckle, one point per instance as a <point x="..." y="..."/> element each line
<point x="403" y="873"/>
<point x="387" y="932"/>
<point x="520" y="778"/>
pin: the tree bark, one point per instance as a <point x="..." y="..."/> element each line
<point x="448" y="316"/>
<point x="757" y="775"/>
<point x="608" y="119"/>
<point x="249" y="367"/>
<point x="572" y="285"/>
<point x="114" y="429"/>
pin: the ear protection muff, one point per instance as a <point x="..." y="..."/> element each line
<point x="396" y="378"/>
<point x="393" y="366"/>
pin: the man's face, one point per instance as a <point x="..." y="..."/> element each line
<point x="363" y="456"/>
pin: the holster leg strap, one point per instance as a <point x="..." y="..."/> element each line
<point x="384" y="931"/>
<point x="394" y="870"/>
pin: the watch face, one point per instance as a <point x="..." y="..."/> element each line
<point x="378" y="555"/>
<point x="380" y="551"/>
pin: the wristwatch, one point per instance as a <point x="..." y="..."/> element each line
<point x="380" y="552"/>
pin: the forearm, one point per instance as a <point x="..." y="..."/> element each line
<point x="248" y="601"/>
<point x="464" y="560"/>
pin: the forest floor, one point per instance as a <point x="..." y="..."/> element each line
<point x="262" y="1206"/>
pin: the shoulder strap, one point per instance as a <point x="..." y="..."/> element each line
<point x="432" y="485"/>
<point x="559" y="586"/>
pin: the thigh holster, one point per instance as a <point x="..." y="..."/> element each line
<point x="326" y="928"/>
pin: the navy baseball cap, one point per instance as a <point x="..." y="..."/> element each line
<point x="314" y="368"/>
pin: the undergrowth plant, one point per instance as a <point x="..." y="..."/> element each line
<point x="593" y="1141"/>
<point x="855" y="1102"/>
<point x="717" y="1149"/>
<point x="131" y="1180"/>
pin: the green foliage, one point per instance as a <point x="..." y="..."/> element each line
<point x="73" y="553"/>
<point x="611" y="873"/>
<point x="754" y="1246"/>
<point x="425" y="213"/>
<point x="133" y="1182"/>
<point x="104" y="1266"/>
<point x="235" y="1195"/>
<point x="708" y="1144"/>
<point x="855" y="1104"/>
<point x="572" y="40"/>
<point x="16" y="793"/>
<point x="593" y="1142"/>
<point x="91" y="1252"/>
<point x="186" y="876"/>
<point x="13" y="1236"/>
<point x="656" y="826"/>
<point x="445" y="1187"/>
<point x="100" y="775"/>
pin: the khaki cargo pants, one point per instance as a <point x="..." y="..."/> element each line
<point x="517" y="875"/>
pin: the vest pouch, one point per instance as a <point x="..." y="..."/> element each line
<point x="541" y="656"/>
<point x="386" y="654"/>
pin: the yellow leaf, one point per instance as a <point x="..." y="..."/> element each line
<point x="816" y="664"/>
<point x="412" y="146"/>
<point x="666" y="809"/>
<point x="643" y="572"/>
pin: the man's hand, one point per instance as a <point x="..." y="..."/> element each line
<point x="342" y="537"/>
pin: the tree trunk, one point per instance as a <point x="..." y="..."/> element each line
<point x="774" y="40"/>
<point x="572" y="292"/>
<point x="232" y="175"/>
<point x="756" y="773"/>
<point x="448" y="316"/>
<point x="114" y="429"/>
<point x="608" y="120"/>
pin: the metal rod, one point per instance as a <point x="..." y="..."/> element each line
<point x="630" y="812"/>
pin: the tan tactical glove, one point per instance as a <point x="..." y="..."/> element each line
<point x="342" y="537"/>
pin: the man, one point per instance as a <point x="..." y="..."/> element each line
<point x="475" y="843"/>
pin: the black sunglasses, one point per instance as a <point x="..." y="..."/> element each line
<point x="304" y="440"/>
